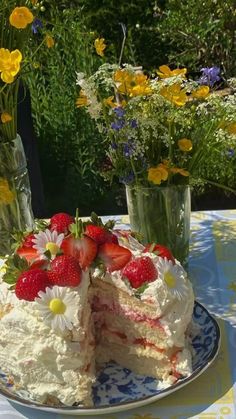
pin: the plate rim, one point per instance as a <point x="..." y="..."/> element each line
<point x="117" y="407"/>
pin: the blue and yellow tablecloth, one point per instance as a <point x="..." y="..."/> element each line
<point x="212" y="270"/>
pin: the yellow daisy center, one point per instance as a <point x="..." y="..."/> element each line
<point x="57" y="306"/>
<point x="170" y="279"/>
<point x="52" y="247"/>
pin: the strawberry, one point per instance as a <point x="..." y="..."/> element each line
<point x="114" y="256"/>
<point x="61" y="222"/>
<point x="112" y="238"/>
<point x="139" y="271"/>
<point x="82" y="248"/>
<point x="29" y="283"/>
<point x="98" y="233"/>
<point x="26" y="250"/>
<point x="65" y="271"/>
<point x="159" y="250"/>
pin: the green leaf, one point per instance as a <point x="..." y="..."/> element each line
<point x="141" y="289"/>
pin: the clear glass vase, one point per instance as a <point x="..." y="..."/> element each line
<point x="162" y="215"/>
<point x="15" y="194"/>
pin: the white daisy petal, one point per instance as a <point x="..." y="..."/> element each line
<point x="53" y="317"/>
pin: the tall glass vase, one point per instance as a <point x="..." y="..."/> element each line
<point x="15" y="195"/>
<point x="162" y="215"/>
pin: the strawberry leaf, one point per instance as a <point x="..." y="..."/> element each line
<point x="140" y="290"/>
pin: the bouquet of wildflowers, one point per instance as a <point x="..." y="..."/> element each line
<point x="162" y="129"/>
<point x="19" y="23"/>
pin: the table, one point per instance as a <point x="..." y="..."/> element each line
<point x="212" y="270"/>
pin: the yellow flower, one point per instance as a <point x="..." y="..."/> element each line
<point x="201" y="93"/>
<point x="6" y="117"/>
<point x="9" y="64"/>
<point x="179" y="170"/>
<point x="82" y="100"/>
<point x="231" y="128"/>
<point x="132" y="84"/>
<point x="165" y="72"/>
<point x="6" y="195"/>
<point x="158" y="174"/>
<point x="109" y="102"/>
<point x="174" y="94"/>
<point x="100" y="46"/>
<point x="21" y="17"/>
<point x="49" y="41"/>
<point x="185" y="144"/>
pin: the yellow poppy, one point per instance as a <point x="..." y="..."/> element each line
<point x="201" y="93"/>
<point x="174" y="94"/>
<point x="49" y="41"/>
<point x="124" y="80"/>
<point x="185" y="145"/>
<point x="109" y="102"/>
<point x="6" y="195"/>
<point x="82" y="100"/>
<point x="179" y="170"/>
<point x="165" y="72"/>
<point x="9" y="64"/>
<point x="21" y="17"/>
<point x="100" y="46"/>
<point x="231" y="128"/>
<point x="6" y="117"/>
<point x="157" y="174"/>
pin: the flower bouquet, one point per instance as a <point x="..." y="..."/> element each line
<point x="162" y="133"/>
<point x="18" y="26"/>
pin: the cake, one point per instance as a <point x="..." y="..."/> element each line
<point x="75" y="295"/>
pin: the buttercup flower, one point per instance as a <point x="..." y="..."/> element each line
<point x="185" y="145"/>
<point x="157" y="174"/>
<point x="58" y="307"/>
<point x="6" y="195"/>
<point x="9" y="64"/>
<point x="6" y="117"/>
<point x="49" y="41"/>
<point x="201" y="93"/>
<point x="173" y="276"/>
<point x="174" y="94"/>
<point x="231" y="128"/>
<point x="82" y="100"/>
<point x="21" y="17"/>
<point x="165" y="72"/>
<point x="100" y="46"/>
<point x="180" y="171"/>
<point x="47" y="240"/>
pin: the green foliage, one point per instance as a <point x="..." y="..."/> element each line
<point x="70" y="147"/>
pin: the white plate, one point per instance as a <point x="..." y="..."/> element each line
<point x="119" y="389"/>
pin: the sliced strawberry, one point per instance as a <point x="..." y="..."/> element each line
<point x="65" y="271"/>
<point x="114" y="256"/>
<point x="98" y="233"/>
<point x="159" y="250"/>
<point x="83" y="249"/>
<point x="139" y="271"/>
<point x="26" y="250"/>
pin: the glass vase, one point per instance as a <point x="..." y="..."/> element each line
<point x="162" y="215"/>
<point x="15" y="195"/>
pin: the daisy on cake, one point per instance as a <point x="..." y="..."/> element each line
<point x="82" y="294"/>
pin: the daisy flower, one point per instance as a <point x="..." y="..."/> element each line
<point x="58" y="308"/>
<point x="48" y="240"/>
<point x="173" y="277"/>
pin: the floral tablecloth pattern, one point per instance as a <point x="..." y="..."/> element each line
<point x="212" y="270"/>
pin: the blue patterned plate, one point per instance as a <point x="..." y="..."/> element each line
<point x="119" y="389"/>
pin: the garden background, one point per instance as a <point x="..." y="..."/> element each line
<point x="190" y="34"/>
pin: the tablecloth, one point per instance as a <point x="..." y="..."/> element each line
<point x="212" y="270"/>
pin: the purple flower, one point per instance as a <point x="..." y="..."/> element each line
<point x="210" y="75"/>
<point x="36" y="25"/>
<point x="128" y="178"/>
<point x="118" y="124"/>
<point x="128" y="148"/>
<point x="230" y="153"/>
<point x="119" y="112"/>
<point x="114" y="146"/>
<point x="133" y="123"/>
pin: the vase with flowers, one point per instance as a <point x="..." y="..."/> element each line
<point x="18" y="25"/>
<point x="163" y="133"/>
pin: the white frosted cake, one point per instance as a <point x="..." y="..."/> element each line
<point x="82" y="294"/>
